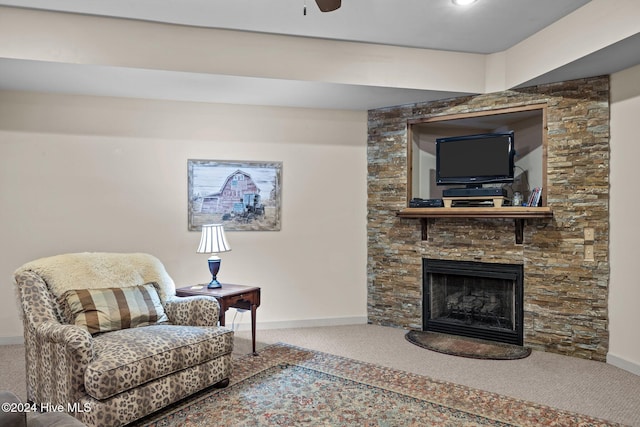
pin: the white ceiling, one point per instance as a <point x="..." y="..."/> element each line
<point x="487" y="26"/>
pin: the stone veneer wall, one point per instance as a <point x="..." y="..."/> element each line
<point x="565" y="297"/>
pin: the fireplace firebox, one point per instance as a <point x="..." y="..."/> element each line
<point x="474" y="299"/>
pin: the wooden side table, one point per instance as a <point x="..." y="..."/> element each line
<point x="236" y="296"/>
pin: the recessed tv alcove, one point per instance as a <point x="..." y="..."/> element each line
<point x="527" y="123"/>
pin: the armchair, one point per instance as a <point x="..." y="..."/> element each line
<point x="106" y="337"/>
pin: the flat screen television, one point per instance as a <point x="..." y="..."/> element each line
<point x="473" y="160"/>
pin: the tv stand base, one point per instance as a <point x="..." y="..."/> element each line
<point x="497" y="201"/>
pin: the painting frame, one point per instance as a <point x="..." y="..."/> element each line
<point x="241" y="195"/>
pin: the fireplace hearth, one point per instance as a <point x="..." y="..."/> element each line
<point x="474" y="299"/>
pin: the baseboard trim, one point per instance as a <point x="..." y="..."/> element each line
<point x="243" y="325"/>
<point x="11" y="340"/>
<point x="621" y="363"/>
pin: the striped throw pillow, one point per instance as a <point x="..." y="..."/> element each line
<point x="110" y="309"/>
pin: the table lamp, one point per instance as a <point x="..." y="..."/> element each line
<point x="213" y="241"/>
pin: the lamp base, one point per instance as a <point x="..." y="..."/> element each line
<point x="214" y="267"/>
<point x="214" y="284"/>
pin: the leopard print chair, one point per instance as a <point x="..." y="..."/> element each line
<point x="108" y="341"/>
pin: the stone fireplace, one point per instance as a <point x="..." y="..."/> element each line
<point x="473" y="299"/>
<point x="564" y="292"/>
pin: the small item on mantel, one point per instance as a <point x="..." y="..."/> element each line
<point x="517" y="199"/>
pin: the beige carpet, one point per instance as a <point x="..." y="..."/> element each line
<point x="290" y="386"/>
<point x="583" y="386"/>
<point x="587" y="387"/>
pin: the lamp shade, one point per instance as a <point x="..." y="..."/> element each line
<point x="213" y="240"/>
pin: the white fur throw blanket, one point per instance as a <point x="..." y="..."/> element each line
<point x="94" y="270"/>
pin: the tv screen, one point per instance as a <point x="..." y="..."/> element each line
<point x="474" y="160"/>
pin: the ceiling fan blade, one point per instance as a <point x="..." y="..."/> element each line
<point x="328" y="5"/>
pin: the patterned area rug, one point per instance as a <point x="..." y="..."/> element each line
<point x="291" y="386"/>
<point x="466" y="347"/>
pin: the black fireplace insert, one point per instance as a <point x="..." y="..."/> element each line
<point x="474" y="299"/>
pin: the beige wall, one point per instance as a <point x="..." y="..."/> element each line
<point x="105" y="174"/>
<point x="624" y="287"/>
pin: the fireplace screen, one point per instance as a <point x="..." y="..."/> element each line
<point x="480" y="300"/>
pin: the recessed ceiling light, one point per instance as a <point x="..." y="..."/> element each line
<point x="463" y="2"/>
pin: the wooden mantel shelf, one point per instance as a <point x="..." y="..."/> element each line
<point x="518" y="213"/>
<point x="483" y="212"/>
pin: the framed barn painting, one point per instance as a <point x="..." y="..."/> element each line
<point x="243" y="196"/>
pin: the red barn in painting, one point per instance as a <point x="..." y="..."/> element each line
<point x="230" y="195"/>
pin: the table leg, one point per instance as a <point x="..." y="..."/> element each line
<point x="253" y="328"/>
<point x="223" y="310"/>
